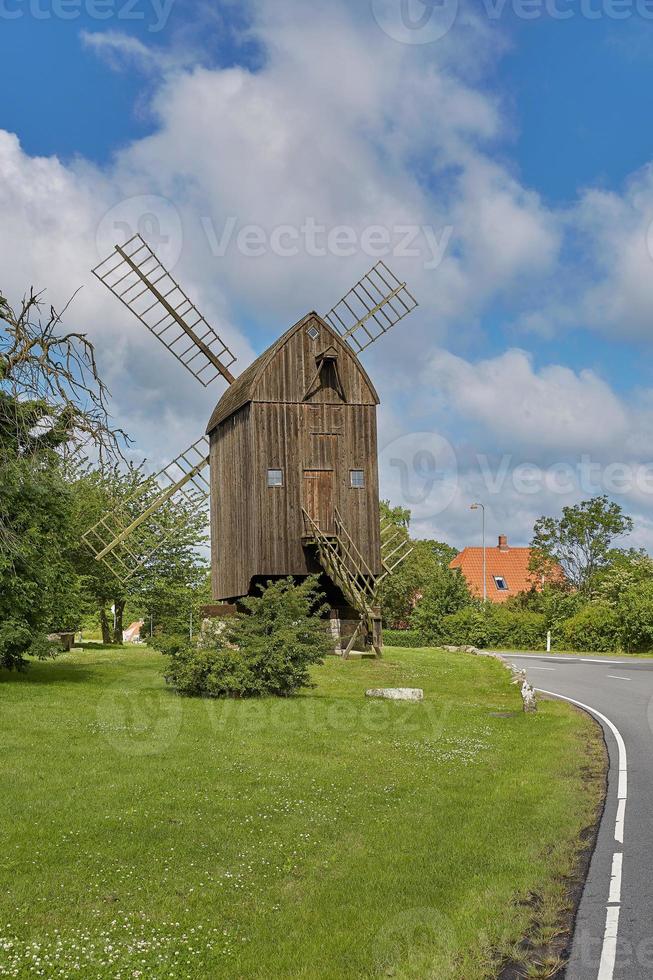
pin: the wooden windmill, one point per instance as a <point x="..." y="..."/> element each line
<point x="289" y="458"/>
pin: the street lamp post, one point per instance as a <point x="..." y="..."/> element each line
<point x="481" y="507"/>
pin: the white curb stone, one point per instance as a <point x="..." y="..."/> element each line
<point x="396" y="693"/>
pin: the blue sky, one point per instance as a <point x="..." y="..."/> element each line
<point x="579" y="92"/>
<point x="530" y="140"/>
<point x="582" y="92"/>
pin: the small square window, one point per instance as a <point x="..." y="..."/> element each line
<point x="501" y="583"/>
<point x="357" y="479"/>
<point x="275" y="478"/>
<point x="313" y="332"/>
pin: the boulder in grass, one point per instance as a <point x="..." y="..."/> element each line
<point x="396" y="693"/>
<point x="464" y="649"/>
<point x="528" y="697"/>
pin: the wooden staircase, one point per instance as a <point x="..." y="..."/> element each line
<point x="347" y="568"/>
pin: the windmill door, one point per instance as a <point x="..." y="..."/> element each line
<point x="319" y="498"/>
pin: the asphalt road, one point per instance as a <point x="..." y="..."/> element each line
<point x="614" y="930"/>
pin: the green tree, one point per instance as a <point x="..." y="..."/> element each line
<point x="626" y="570"/>
<point x="39" y="590"/>
<point x="172" y="604"/>
<point x="626" y="586"/>
<point x="52" y="400"/>
<point x="399" y="516"/>
<point x="555" y="601"/>
<point x="635" y="614"/>
<point x="580" y="541"/>
<point x="171" y="578"/>
<point x="400" y="591"/>
<point x="446" y="593"/>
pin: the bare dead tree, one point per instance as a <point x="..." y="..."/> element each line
<point x="42" y="364"/>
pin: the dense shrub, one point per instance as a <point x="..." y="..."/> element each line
<point x="466" y="627"/>
<point x="213" y="673"/>
<point x="493" y="626"/>
<point x="515" y="630"/>
<point x="266" y="651"/>
<point x="595" y="628"/>
<point x="635" y="612"/>
<point x="406" y="638"/>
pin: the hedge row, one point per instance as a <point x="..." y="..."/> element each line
<point x="406" y="638"/>
<point x="597" y="628"/>
<point x="494" y="627"/>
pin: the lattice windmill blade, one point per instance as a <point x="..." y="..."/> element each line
<point x="395" y="548"/>
<point x="376" y="303"/>
<point x="128" y="536"/>
<point x="134" y="274"/>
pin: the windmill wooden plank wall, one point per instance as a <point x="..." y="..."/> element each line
<point x="292" y="445"/>
<point x="296" y="421"/>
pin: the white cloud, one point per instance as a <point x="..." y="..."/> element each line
<point x="618" y="230"/>
<point x="605" y="281"/>
<point x="50" y="219"/>
<point x="396" y="135"/>
<point x="553" y="408"/>
<point x="522" y="440"/>
<point x="508" y="234"/>
<point x="292" y="141"/>
<point x="122" y="52"/>
<point x="297" y="140"/>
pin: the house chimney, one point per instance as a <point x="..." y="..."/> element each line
<point x="503" y="542"/>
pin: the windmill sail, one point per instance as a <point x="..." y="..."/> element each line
<point x="395" y="548"/>
<point x="134" y="274"/>
<point x="127" y="537"/>
<point x="375" y="304"/>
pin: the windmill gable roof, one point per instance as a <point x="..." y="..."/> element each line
<point x="244" y="388"/>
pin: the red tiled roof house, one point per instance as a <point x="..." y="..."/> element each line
<point x="507" y="570"/>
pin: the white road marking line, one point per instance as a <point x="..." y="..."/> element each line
<point x="619" y="826"/>
<point x="609" y="950"/>
<point x="622" y="789"/>
<point x="541" y="656"/>
<point x="598" y="660"/>
<point x="648" y="661"/>
<point x="614" y="898"/>
<point x="615" y="677"/>
<point x="541" y="668"/>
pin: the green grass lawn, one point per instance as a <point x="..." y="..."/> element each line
<point x="328" y="836"/>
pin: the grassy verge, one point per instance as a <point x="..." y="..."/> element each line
<point x="325" y="836"/>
